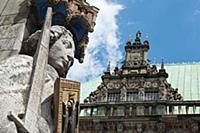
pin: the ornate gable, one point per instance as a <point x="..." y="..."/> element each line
<point x="136" y="80"/>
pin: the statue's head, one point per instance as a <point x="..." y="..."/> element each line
<point x="61" y="49"/>
<point x="61" y="54"/>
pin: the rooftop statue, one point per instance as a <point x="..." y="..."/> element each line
<point x="68" y="38"/>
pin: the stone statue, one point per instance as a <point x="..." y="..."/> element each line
<point x="21" y="21"/>
<point x="62" y="47"/>
<point x="141" y="93"/>
<point x="15" y="77"/>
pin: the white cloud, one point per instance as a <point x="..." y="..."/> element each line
<point x="104" y="42"/>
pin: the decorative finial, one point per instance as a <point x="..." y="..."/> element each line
<point x="146" y="42"/>
<point x="162" y="63"/>
<point x="137" y="39"/>
<point x="116" y="68"/>
<point x="138" y="35"/>
<point x="146" y="37"/>
<point x="108" y="67"/>
<point x="129" y="40"/>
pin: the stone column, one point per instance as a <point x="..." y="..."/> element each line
<point x="111" y="111"/>
<point x="179" y="109"/>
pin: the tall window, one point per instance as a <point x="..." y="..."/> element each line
<point x="113" y="96"/>
<point x="119" y="111"/>
<point x="151" y="95"/>
<point x="132" y="96"/>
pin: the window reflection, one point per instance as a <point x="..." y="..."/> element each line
<point x="151" y="95"/>
<point x="132" y="96"/>
<point x="140" y="110"/>
<point x="99" y="111"/>
<point x="119" y="111"/>
<point x="114" y="96"/>
<point x="160" y="109"/>
<point x="85" y="112"/>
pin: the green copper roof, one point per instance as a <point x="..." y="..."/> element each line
<point x="185" y="77"/>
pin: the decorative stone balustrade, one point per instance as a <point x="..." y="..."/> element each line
<point x="141" y="108"/>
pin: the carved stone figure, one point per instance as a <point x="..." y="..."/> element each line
<point x="141" y="93"/>
<point x="15" y="77"/>
<point x="123" y="93"/>
<point x="139" y="128"/>
<point x="62" y="47"/>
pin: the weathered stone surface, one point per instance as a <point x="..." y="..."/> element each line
<point x="14" y="85"/>
<point x="11" y="37"/>
<point x="7" y="53"/>
<point x="10" y="128"/>
<point x="14" y="7"/>
<point x="7" y="43"/>
<point x="2" y="5"/>
<point x="14" y="81"/>
<point x="13" y="18"/>
<point x="10" y="31"/>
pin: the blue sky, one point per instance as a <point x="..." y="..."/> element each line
<point x="173" y="28"/>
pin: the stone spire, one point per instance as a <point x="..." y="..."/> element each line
<point x="108" y="67"/>
<point x="162" y="63"/>
<point x="136" y="53"/>
<point x="146" y="42"/>
<point x="138" y="36"/>
<point x="116" y="68"/>
<point x="128" y="41"/>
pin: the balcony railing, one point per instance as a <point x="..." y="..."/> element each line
<point x="140" y="108"/>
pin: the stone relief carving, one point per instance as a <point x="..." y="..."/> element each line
<point x="139" y="128"/>
<point x="147" y="84"/>
<point x="141" y="93"/>
<point x="160" y="127"/>
<point x="123" y="93"/>
<point x="154" y="84"/>
<point x="120" y="127"/>
<point x="113" y="85"/>
<point x="133" y="85"/>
